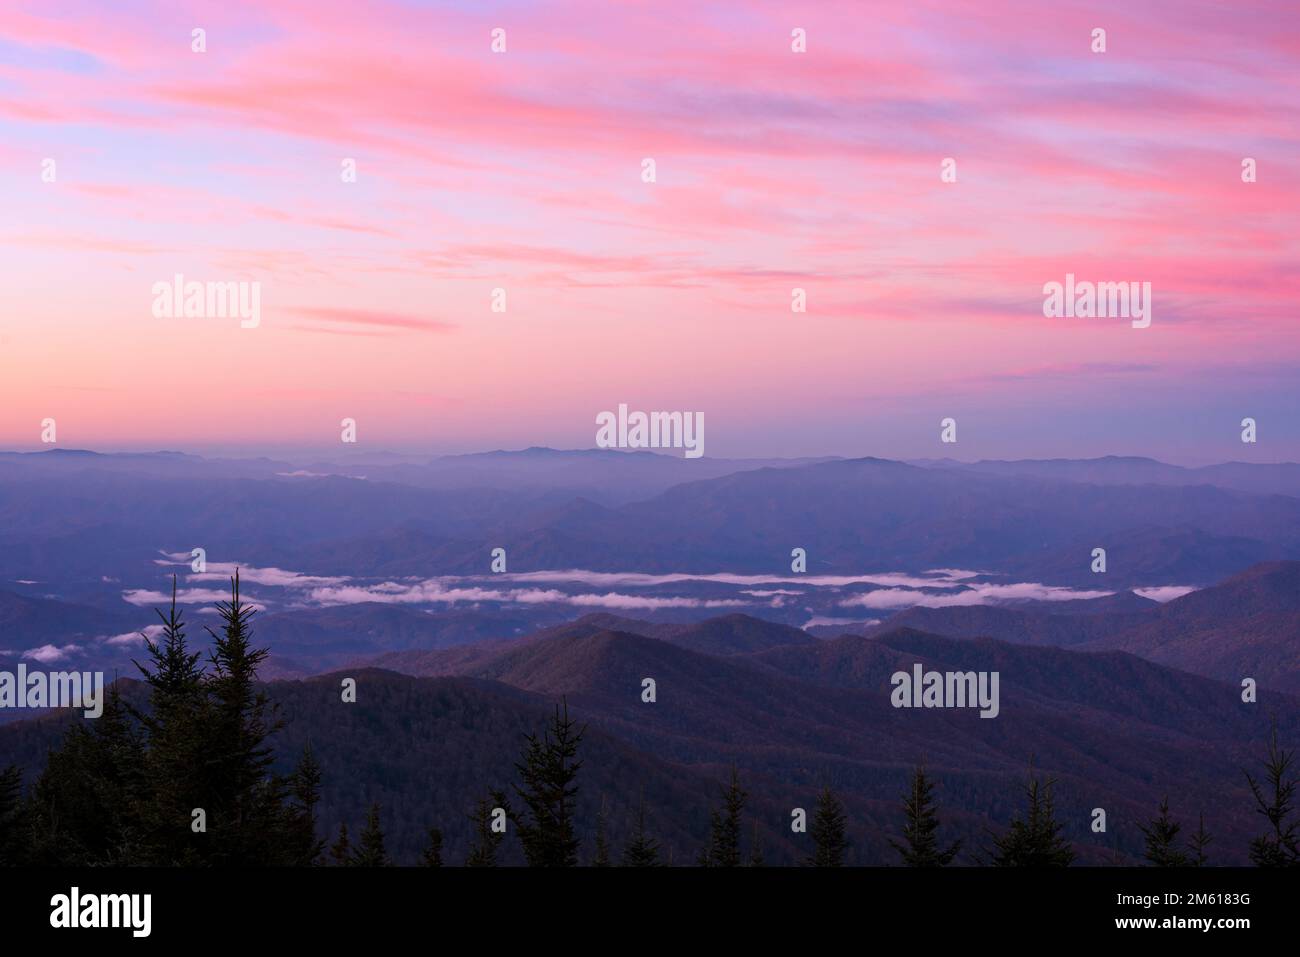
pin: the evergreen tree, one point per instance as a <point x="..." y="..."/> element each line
<point x="641" y="851"/>
<point x="13" y="839"/>
<point x="303" y="847"/>
<point x="341" y="849"/>
<point x="1116" y="858"/>
<point x="920" y="847"/>
<point x="247" y="798"/>
<point x="487" y="842"/>
<point x="176" y="771"/>
<point x="705" y="857"/>
<point x="828" y="832"/>
<point x="1197" y="845"/>
<point x="1275" y="800"/>
<point x="432" y="854"/>
<point x="724" y="826"/>
<point x="548" y="773"/>
<point x="123" y="789"/>
<point x="756" y="849"/>
<point x="601" y="858"/>
<point x="176" y="674"/>
<point x="118" y="779"/>
<point x="1036" y="840"/>
<point x="1161" y="837"/>
<point x="370" y="850"/>
<point x="85" y="807"/>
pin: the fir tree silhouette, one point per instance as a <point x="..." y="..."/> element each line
<point x="124" y="789"/>
<point x="13" y="850"/>
<point x="85" y="807"/>
<point x="1035" y="840"/>
<point x="1161" y="835"/>
<point x="756" y="849"/>
<point x="1275" y="801"/>
<point x="178" y="773"/>
<point x="370" y="850"/>
<point x="601" y="857"/>
<point x="341" y="849"/>
<point x="828" y="832"/>
<point x="723" y="848"/>
<point x="487" y="842"/>
<point x="304" y="848"/>
<point x="705" y="857"/>
<point x="176" y="675"/>
<point x="920" y="847"/>
<point x="247" y="799"/>
<point x="1197" y="844"/>
<point x="641" y="850"/>
<point x="431" y="856"/>
<point x="548" y="772"/>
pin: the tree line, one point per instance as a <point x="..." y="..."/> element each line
<point x="188" y="781"/>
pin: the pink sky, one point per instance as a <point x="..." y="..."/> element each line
<point x="775" y="170"/>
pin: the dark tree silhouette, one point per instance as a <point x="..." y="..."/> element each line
<point x="601" y="858"/>
<point x="176" y="672"/>
<point x="1197" y="844"/>
<point x="341" y="849"/>
<point x="828" y="832"/>
<point x="303" y="846"/>
<point x="370" y="851"/>
<point x="178" y="769"/>
<point x="1161" y="834"/>
<point x="548" y="772"/>
<point x="1275" y="800"/>
<point x="487" y="842"/>
<point x="705" y="857"/>
<point x="247" y="800"/>
<point x="641" y="851"/>
<point x="431" y="856"/>
<point x="132" y="786"/>
<point x="920" y="846"/>
<point x="723" y="849"/>
<point x="1035" y="840"/>
<point x="13" y="850"/>
<point x="85" y="808"/>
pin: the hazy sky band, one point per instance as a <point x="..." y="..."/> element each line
<point x="774" y="171"/>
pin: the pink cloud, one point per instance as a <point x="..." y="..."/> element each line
<point x="522" y="171"/>
<point x="366" y="317"/>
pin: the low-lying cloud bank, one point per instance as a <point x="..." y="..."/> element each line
<point x="888" y="591"/>
<point x="434" y="592"/>
<point x="1164" y="593"/>
<point x="895" y="598"/>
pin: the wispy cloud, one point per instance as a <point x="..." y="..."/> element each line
<point x="939" y="579"/>
<point x="893" y="598"/>
<point x="251" y="574"/>
<point x="368" y="318"/>
<point x="148" y="598"/>
<point x="889" y="590"/>
<point x="435" y="593"/>
<point x="134" y="637"/>
<point x="1164" y="593"/>
<point x="47" y="654"/>
<point x="819" y="621"/>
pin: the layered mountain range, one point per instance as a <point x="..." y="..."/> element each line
<point x="1123" y="685"/>
<point x="76" y="518"/>
<point x="792" y="714"/>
